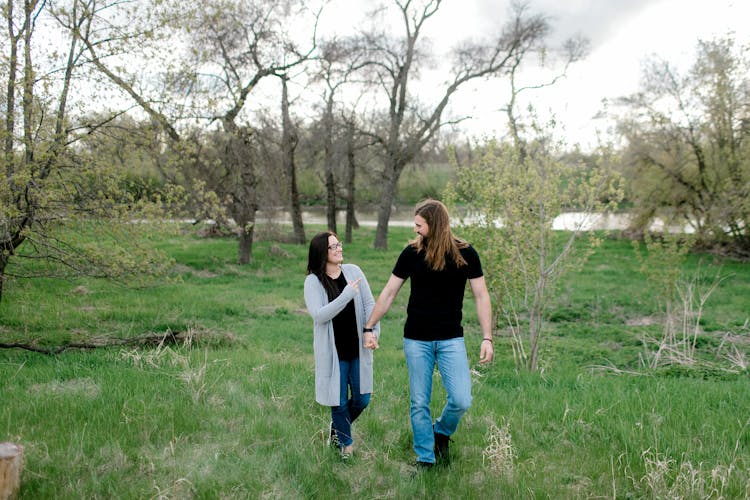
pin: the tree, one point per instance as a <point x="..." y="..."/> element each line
<point x="522" y="185"/>
<point x="289" y="140"/>
<point x="339" y="60"/>
<point x="221" y="53"/>
<point x="688" y="146"/>
<point x="395" y="64"/>
<point x="61" y="210"/>
<point x="353" y="143"/>
<point x="511" y="203"/>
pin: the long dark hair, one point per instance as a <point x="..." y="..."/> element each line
<point x="440" y="242"/>
<point x="317" y="258"/>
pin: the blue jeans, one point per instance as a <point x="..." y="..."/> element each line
<point x="421" y="357"/>
<point x="349" y="407"/>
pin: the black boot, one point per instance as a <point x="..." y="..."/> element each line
<point x="441" y="448"/>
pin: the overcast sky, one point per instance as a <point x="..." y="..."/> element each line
<point x="621" y="32"/>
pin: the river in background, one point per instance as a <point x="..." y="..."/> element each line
<point x="404" y="217"/>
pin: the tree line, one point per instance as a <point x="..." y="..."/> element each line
<point x="126" y="110"/>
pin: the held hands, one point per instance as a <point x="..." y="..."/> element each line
<point x="371" y="341"/>
<point x="486" y="352"/>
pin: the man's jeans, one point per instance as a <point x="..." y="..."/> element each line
<point x="350" y="407"/>
<point x="450" y="356"/>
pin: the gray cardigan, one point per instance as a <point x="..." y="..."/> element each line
<point x="326" y="358"/>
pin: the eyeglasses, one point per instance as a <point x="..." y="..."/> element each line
<point x="335" y="246"/>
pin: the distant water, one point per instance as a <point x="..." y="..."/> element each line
<point x="568" y="221"/>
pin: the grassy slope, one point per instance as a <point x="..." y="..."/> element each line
<point x="233" y="415"/>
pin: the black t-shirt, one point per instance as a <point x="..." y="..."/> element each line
<point x="436" y="300"/>
<point x="345" y="326"/>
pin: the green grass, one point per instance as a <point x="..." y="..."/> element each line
<point x="233" y="415"/>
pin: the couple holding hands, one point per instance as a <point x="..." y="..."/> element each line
<point x="346" y="329"/>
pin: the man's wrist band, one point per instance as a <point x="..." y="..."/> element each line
<point x="367" y="330"/>
<point x="488" y="340"/>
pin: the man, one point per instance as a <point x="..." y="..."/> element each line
<point x="439" y="266"/>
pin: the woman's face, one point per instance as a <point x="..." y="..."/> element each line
<point x="335" y="251"/>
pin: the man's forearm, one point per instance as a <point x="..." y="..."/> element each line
<point x="484" y="313"/>
<point x="385" y="299"/>
<point x="381" y="307"/>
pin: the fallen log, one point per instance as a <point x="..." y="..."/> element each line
<point x="168" y="338"/>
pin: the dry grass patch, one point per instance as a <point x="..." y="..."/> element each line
<point x="182" y="269"/>
<point x="500" y="455"/>
<point x="667" y="477"/>
<point x="643" y="321"/>
<point x="78" y="387"/>
<point x="112" y="459"/>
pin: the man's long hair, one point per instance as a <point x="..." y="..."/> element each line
<point x="440" y="244"/>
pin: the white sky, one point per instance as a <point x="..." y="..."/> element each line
<point x="622" y="33"/>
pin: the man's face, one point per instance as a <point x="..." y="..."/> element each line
<point x="421" y="227"/>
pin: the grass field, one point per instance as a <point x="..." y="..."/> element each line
<point x="231" y="413"/>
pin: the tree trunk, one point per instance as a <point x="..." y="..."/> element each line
<point x="244" y="212"/>
<point x="296" y="207"/>
<point x="289" y="144"/>
<point x="351" y="220"/>
<point x="384" y="215"/>
<point x="247" y="230"/>
<point x="330" y="198"/>
<point x="536" y="320"/>
<point x="10" y="98"/>
<point x="390" y="181"/>
<point x="534" y="357"/>
<point x="330" y="180"/>
<point x="11" y="465"/>
<point x="8" y="244"/>
<point x="3" y="264"/>
<point x="247" y="208"/>
<point x="244" y="204"/>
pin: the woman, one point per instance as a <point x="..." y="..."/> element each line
<point x="339" y="300"/>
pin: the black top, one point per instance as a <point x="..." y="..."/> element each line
<point x="345" y="326"/>
<point x="436" y="300"/>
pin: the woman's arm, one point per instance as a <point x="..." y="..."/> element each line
<point x="320" y="311"/>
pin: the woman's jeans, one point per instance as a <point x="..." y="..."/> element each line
<point x="350" y="407"/>
<point x="421" y="357"/>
